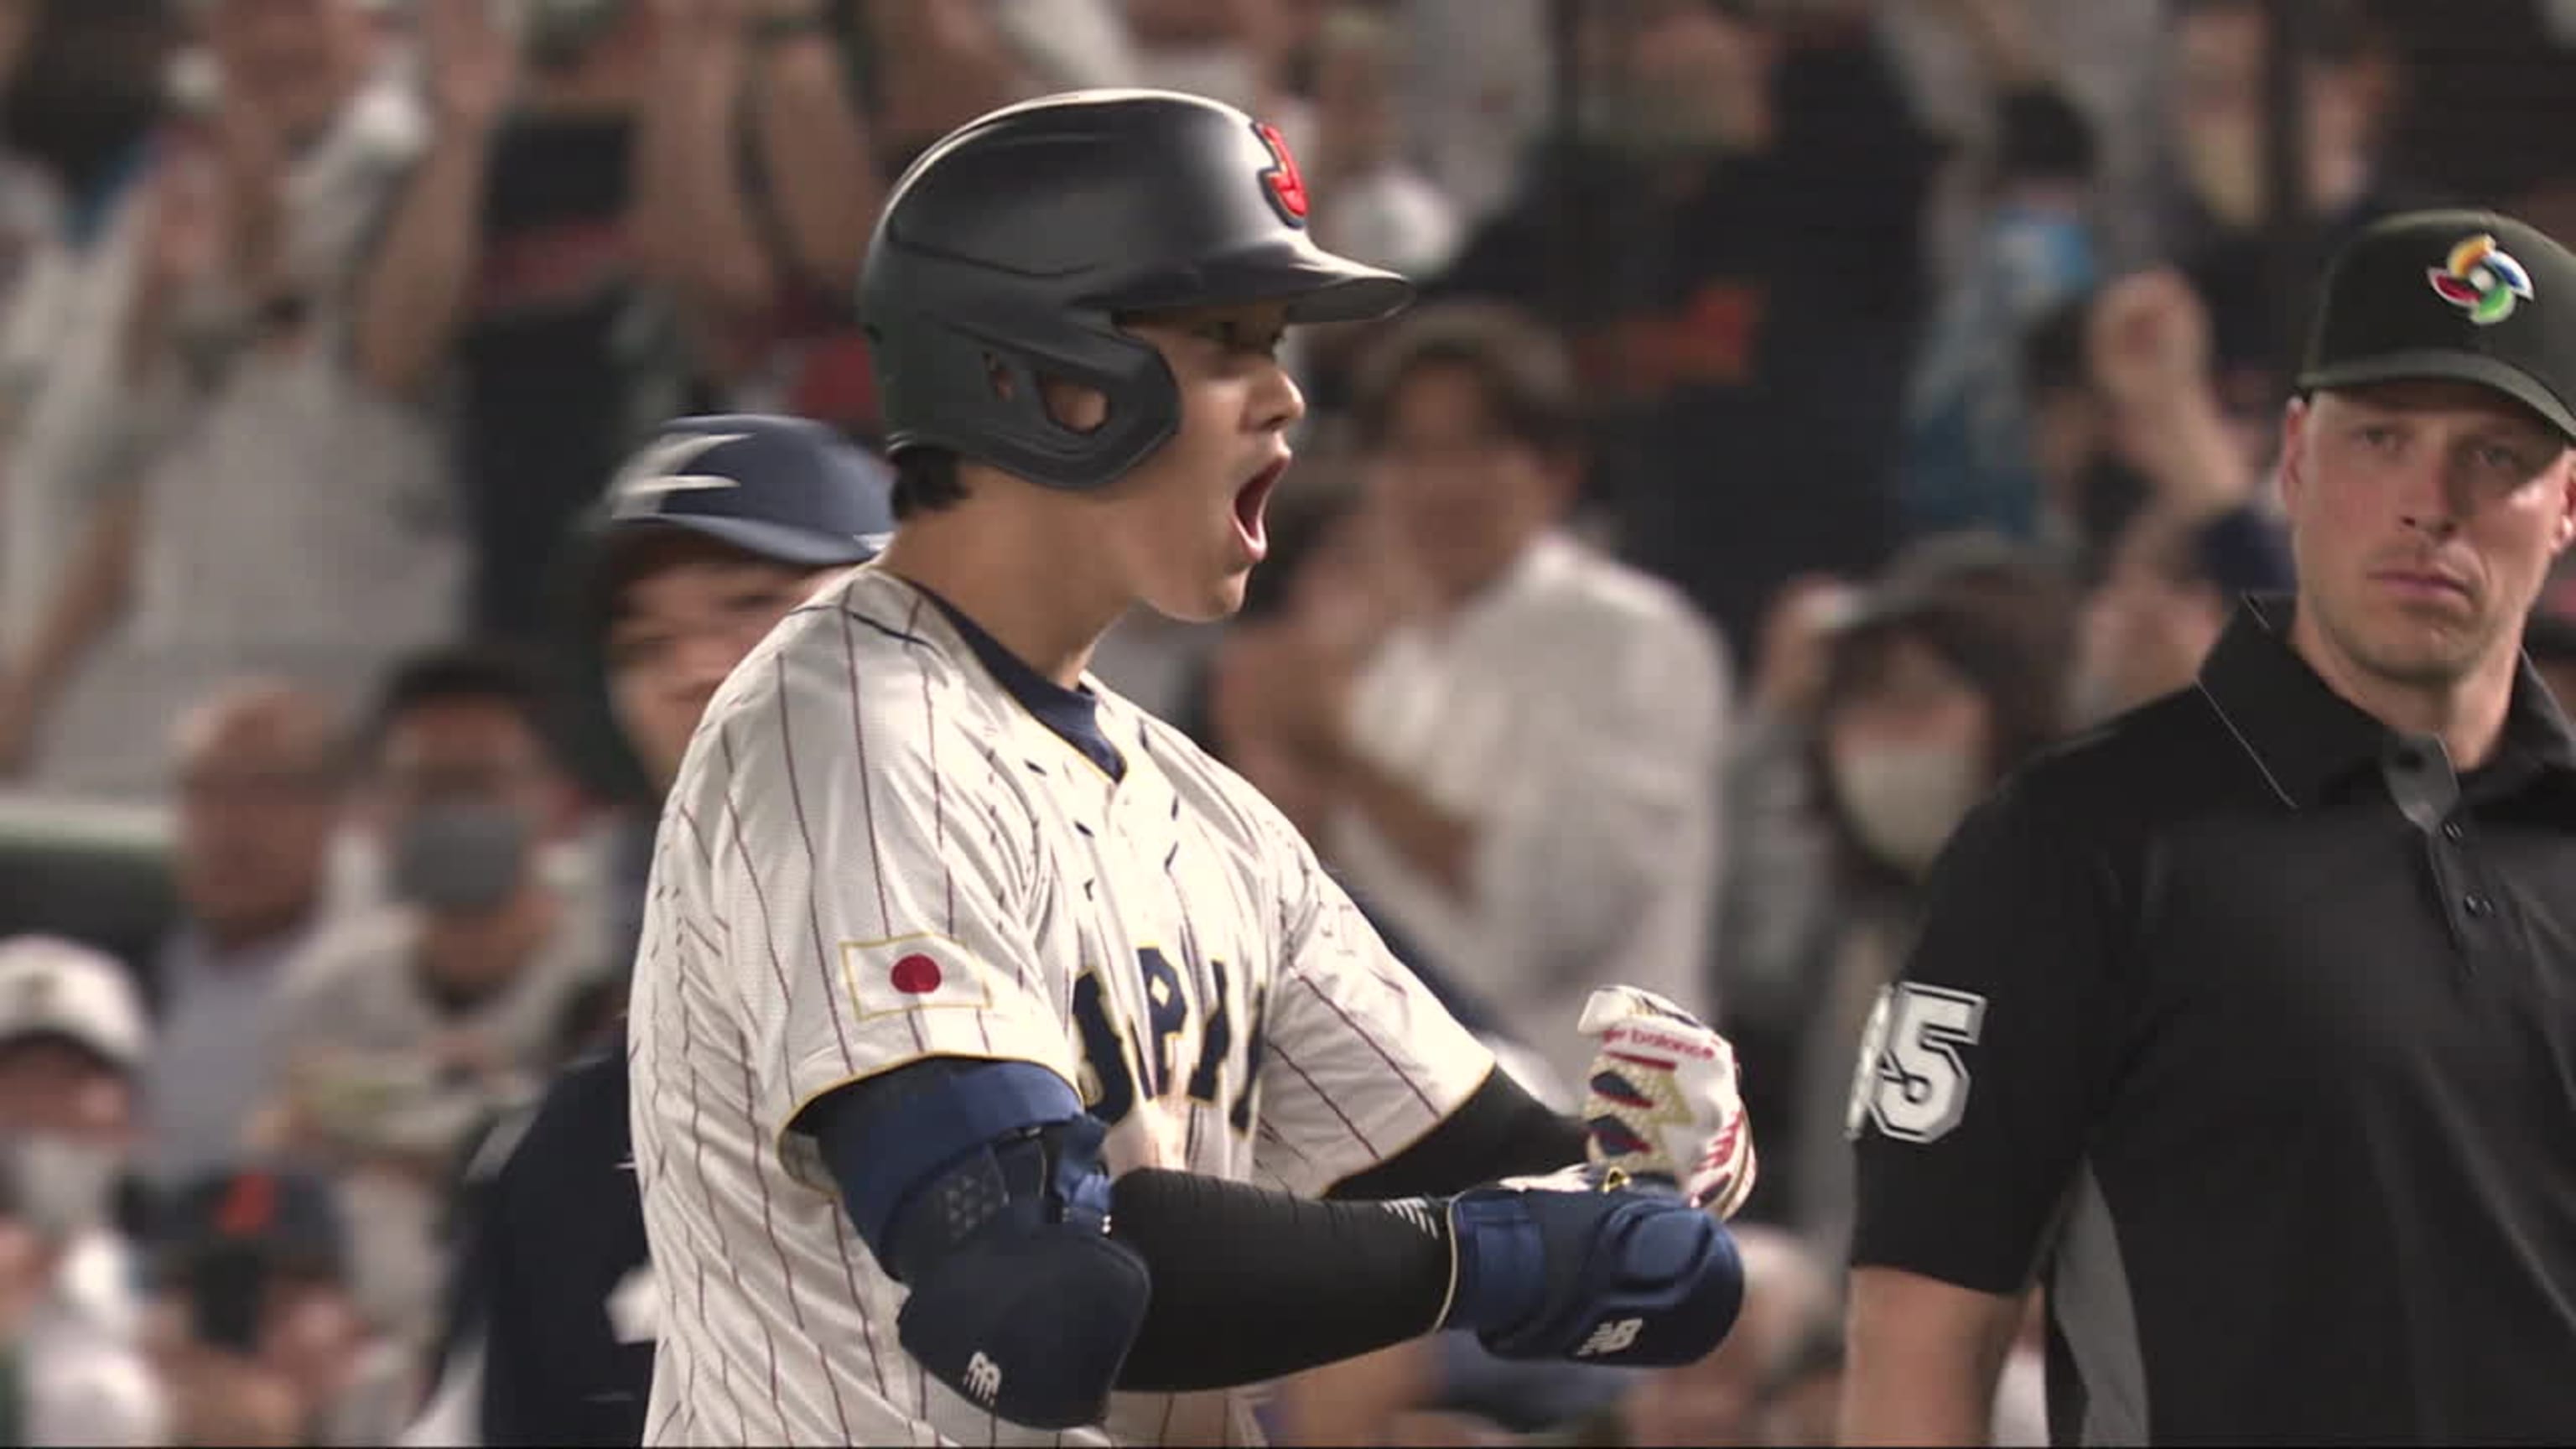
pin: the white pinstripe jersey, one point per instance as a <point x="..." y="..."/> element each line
<point x="876" y="853"/>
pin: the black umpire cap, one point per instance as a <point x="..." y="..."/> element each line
<point x="2462" y="296"/>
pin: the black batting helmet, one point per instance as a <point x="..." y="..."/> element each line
<point x="1012" y="245"/>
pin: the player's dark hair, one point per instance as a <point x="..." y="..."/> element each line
<point x="925" y="481"/>
<point x="633" y="555"/>
<point x="461" y="674"/>
<point x="1518" y="363"/>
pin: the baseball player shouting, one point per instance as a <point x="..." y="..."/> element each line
<point x="1005" y="1070"/>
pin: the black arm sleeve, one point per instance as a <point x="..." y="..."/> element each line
<point x="1250" y="1284"/>
<point x="1501" y="1131"/>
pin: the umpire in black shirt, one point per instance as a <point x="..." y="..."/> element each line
<point x="2246" y="1025"/>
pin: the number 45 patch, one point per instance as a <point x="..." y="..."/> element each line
<point x="1909" y="1079"/>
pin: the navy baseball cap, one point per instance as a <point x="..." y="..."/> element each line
<point x="2460" y="296"/>
<point x="786" y="489"/>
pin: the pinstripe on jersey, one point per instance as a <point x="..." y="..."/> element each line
<point x="874" y="853"/>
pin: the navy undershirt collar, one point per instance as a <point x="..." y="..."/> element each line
<point x="1074" y="714"/>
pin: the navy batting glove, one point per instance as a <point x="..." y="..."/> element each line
<point x="1575" y="1267"/>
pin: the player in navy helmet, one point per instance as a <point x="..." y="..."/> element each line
<point x="712" y="533"/>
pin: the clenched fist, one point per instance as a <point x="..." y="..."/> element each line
<point x="1661" y="1100"/>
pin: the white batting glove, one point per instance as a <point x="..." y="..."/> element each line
<point x="1661" y="1099"/>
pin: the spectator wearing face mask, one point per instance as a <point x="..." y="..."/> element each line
<point x="72" y="1033"/>
<point x="1929" y="687"/>
<point x="416" y="1022"/>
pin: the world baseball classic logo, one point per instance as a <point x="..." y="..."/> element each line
<point x="2483" y="280"/>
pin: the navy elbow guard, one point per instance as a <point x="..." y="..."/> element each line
<point x="981" y="1190"/>
<point x="1561" y="1268"/>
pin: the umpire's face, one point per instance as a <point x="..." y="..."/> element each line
<point x="2424" y="517"/>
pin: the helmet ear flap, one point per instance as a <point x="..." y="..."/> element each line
<point x="1077" y="408"/>
<point x="1073" y="408"/>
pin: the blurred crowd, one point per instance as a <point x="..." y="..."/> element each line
<point x="1817" y="407"/>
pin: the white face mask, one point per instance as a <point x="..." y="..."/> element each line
<point x="64" y="1186"/>
<point x="1904" y="800"/>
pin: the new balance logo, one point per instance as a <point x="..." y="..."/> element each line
<point x="1611" y="1338"/>
<point x="983" y="1378"/>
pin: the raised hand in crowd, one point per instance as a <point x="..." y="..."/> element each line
<point x="2150" y="349"/>
<point x="1789" y="672"/>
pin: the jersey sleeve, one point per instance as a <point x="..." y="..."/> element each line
<point x="1984" y="1063"/>
<point x="867" y="906"/>
<point x="1359" y="1061"/>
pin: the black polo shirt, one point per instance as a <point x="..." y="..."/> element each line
<point x="2251" y="1029"/>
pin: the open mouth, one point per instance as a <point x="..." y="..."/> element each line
<point x="1249" y="503"/>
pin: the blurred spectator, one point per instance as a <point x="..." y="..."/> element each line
<point x="676" y="587"/>
<point x="585" y="264"/>
<point x="1803" y="1404"/>
<point x="263" y="780"/>
<point x="26" y="202"/>
<point x="1317" y="570"/>
<point x="2218" y="123"/>
<point x="411" y="1025"/>
<point x="2171" y="589"/>
<point x="1518" y="742"/>
<point x="1968" y="454"/>
<point x="1747" y="201"/>
<point x="1733" y="1395"/>
<point x="1233" y="51"/>
<point x="262" y="1342"/>
<point x="1477" y="91"/>
<point x="1060" y="45"/>
<point x="2086" y="490"/>
<point x="960" y="60"/>
<point x="548" y="1334"/>
<point x="2150" y="352"/>
<point x="81" y="101"/>
<point x="1927" y="689"/>
<point x="2493" y="92"/>
<point x="72" y="1033"/>
<point x="270" y="513"/>
<point x="2550" y="640"/>
<point x="1370" y="202"/>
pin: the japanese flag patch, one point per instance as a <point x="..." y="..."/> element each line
<point x="924" y="972"/>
